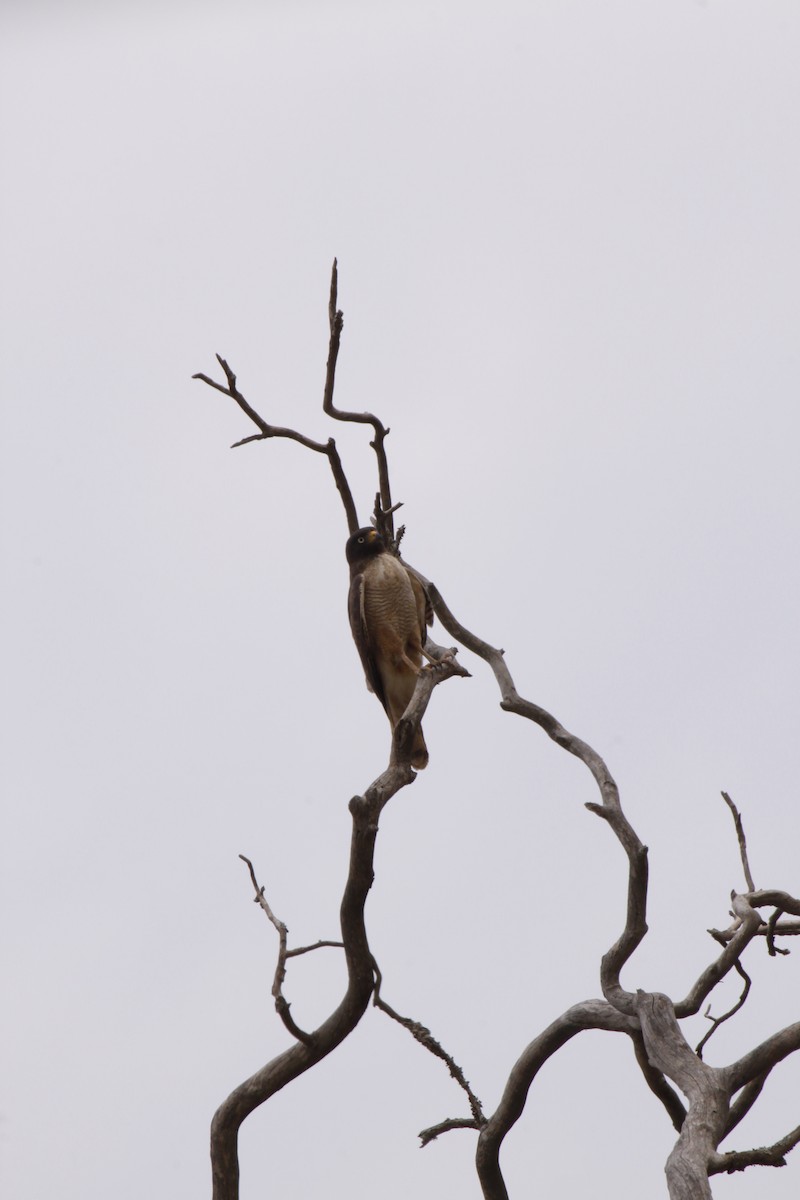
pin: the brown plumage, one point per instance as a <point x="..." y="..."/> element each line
<point x="388" y="611"/>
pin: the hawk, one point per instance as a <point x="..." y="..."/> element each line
<point x="388" y="611"/>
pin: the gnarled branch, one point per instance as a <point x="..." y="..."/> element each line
<point x="425" y="1038"/>
<point x="762" y="1156"/>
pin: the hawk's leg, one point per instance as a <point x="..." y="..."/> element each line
<point x="435" y="659"/>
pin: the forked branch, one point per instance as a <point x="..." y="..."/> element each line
<point x="281" y="1004"/>
<point x="385" y="524"/>
<point x="311" y="1048"/>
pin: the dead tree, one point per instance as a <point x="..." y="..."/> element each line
<point x="718" y="1097"/>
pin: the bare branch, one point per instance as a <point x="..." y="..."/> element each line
<point x="365" y="811"/>
<point x="744" y="1102"/>
<point x="776" y="898"/>
<point x="281" y="1070"/>
<point x="382" y="519"/>
<point x="405" y="731"/>
<point x="656" y="1081"/>
<point x="275" y="431"/>
<point x="780" y="929"/>
<point x="764" y="1156"/>
<point x="423" y="1035"/>
<point x="267" y="431"/>
<point x="772" y="926"/>
<point x="590" y="1014"/>
<point x="717" y="1021"/>
<point x="764" y="1057"/>
<point x="749" y="927"/>
<point x="281" y="1004"/>
<point x="706" y="1089"/>
<point x="335" y="318"/>
<point x="316" y="946"/>
<point x="737" y="820"/>
<point x="429" y="1135"/>
<point x="335" y="324"/>
<point x="610" y="809"/>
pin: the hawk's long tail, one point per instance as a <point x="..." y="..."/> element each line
<point x="419" y="755"/>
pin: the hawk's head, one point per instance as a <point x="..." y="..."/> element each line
<point x="363" y="545"/>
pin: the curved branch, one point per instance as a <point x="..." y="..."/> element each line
<point x="281" y="1070"/>
<point x="610" y="809"/>
<point x="774" y="898"/>
<point x="302" y="1055"/>
<point x="764" y="1057"/>
<point x="335" y="320"/>
<point x="706" y="1089"/>
<point x="281" y="1004"/>
<point x="429" y="1135"/>
<point x="774" y="926"/>
<point x="590" y="1014"/>
<point x="656" y="1081"/>
<point x="744" y="1102"/>
<point x="717" y="1021"/>
<point x="750" y="925"/>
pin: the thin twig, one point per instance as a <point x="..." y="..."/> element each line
<point x="382" y="520"/>
<point x="772" y="924"/>
<point x="737" y="820"/>
<point x="430" y="1135"/>
<point x="423" y="1035"/>
<point x="717" y="1021"/>
<point x="278" y="431"/>
<point x="281" y="1004"/>
<point x="316" y="946"/>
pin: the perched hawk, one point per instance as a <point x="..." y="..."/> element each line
<point x="388" y="612"/>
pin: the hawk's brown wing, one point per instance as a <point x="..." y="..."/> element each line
<point x="358" y="626"/>
<point x="423" y="603"/>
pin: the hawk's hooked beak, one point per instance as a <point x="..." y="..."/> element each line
<point x="373" y="533"/>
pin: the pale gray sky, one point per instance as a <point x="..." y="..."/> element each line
<point x="569" y="253"/>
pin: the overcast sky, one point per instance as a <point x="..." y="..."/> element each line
<point x="569" y="260"/>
